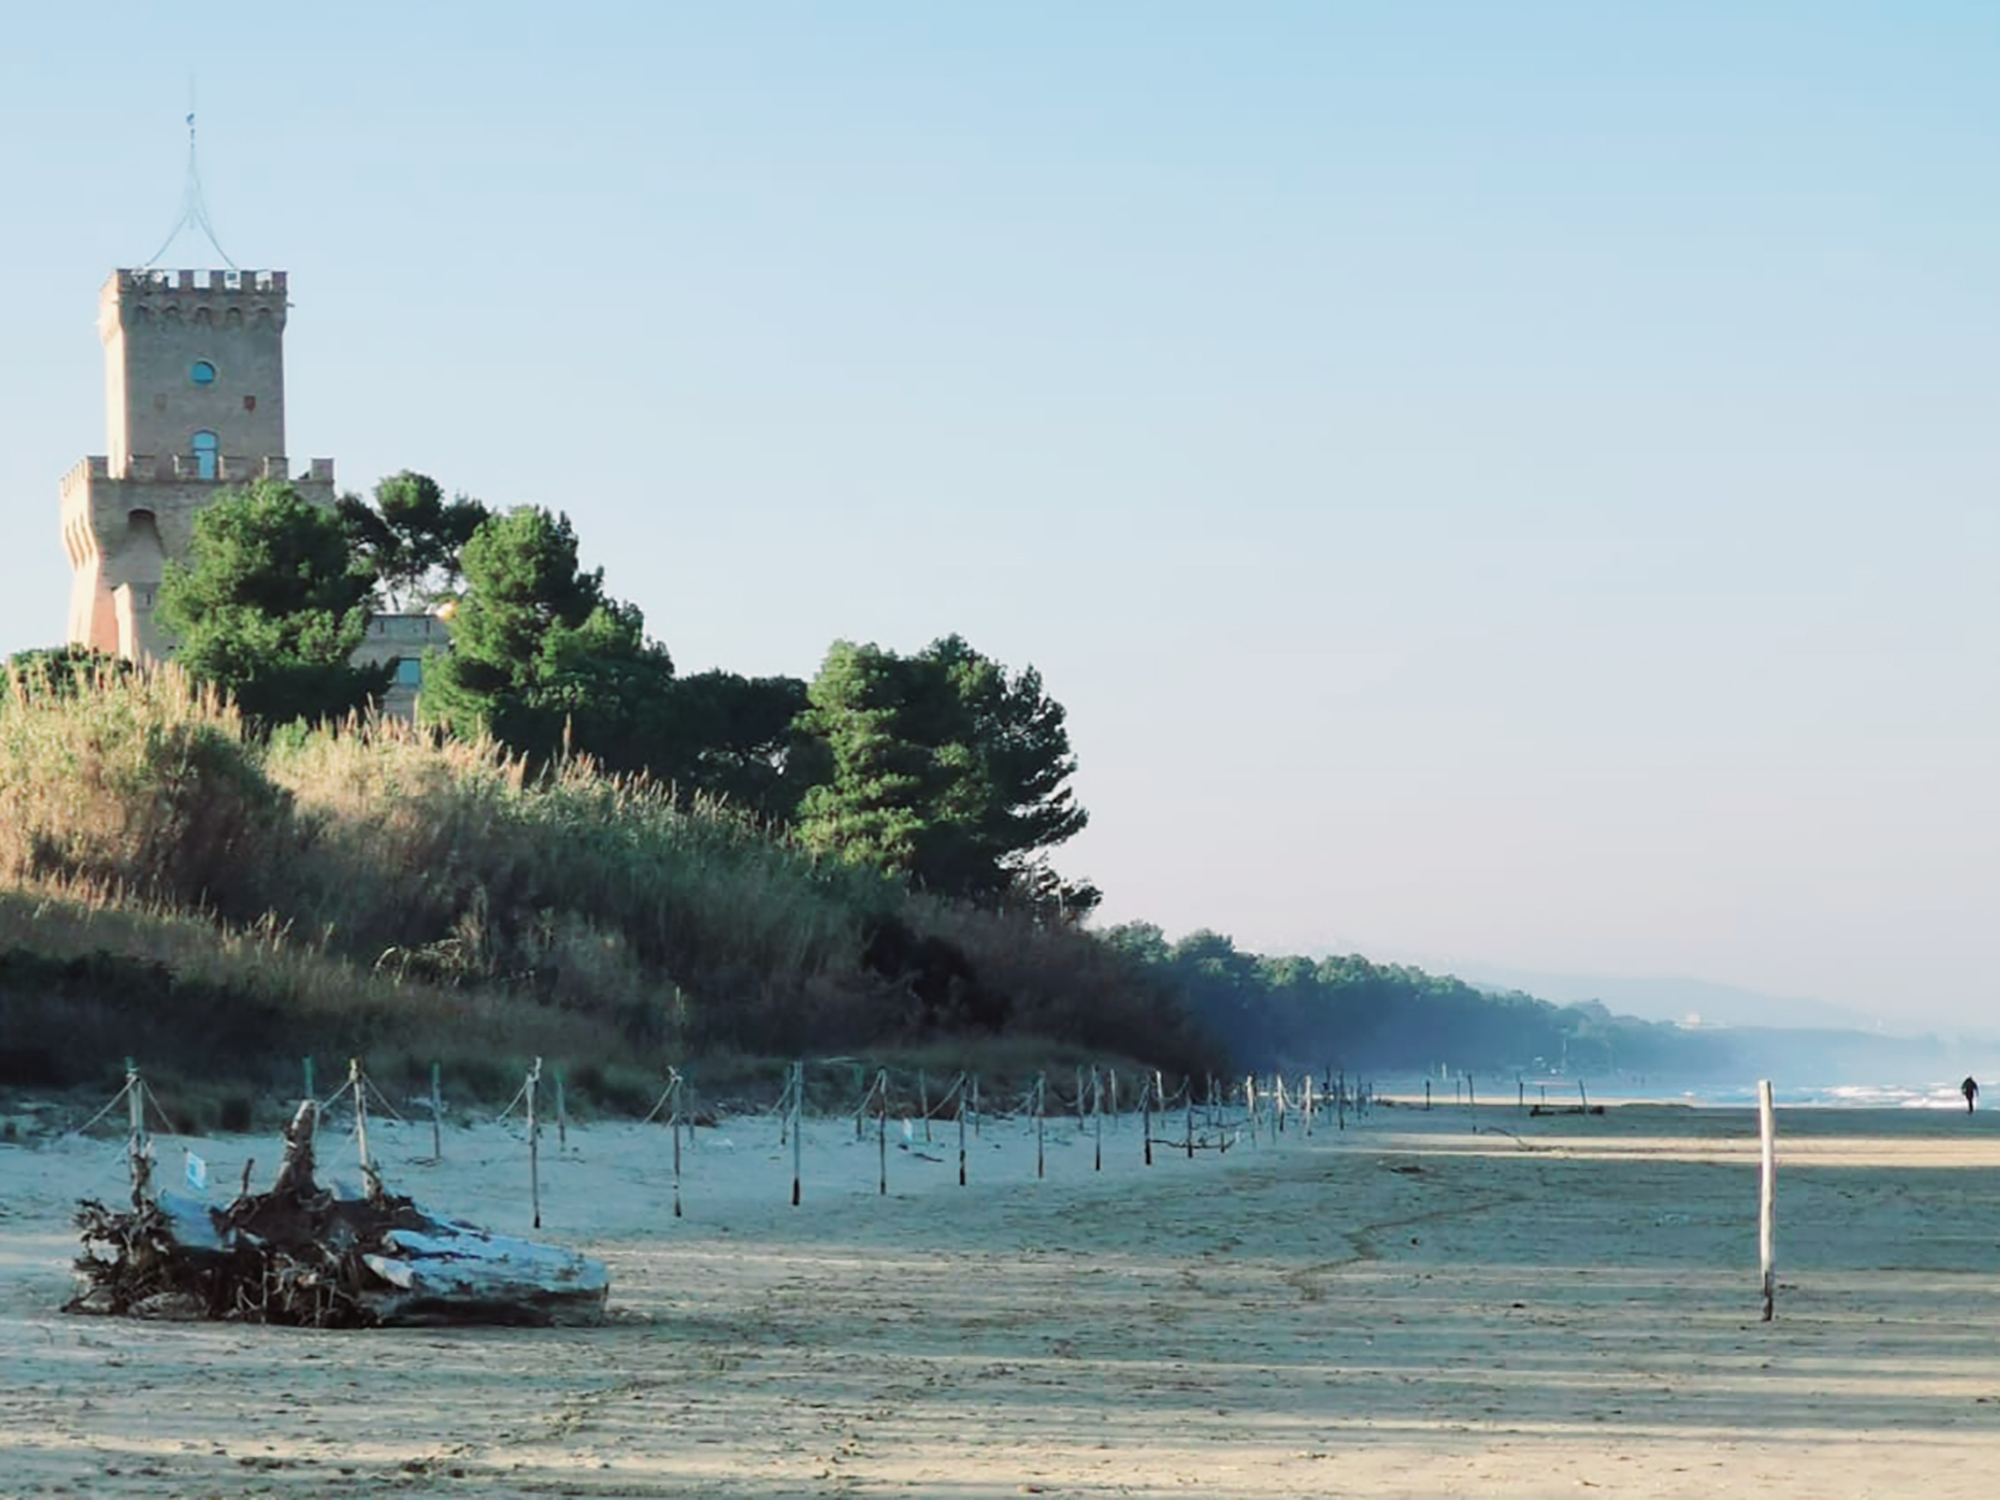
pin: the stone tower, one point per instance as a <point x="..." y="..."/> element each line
<point x="194" y="384"/>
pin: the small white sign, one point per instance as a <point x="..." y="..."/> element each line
<point x="197" y="1173"/>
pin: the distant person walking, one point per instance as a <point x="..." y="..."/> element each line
<point x="1969" y="1088"/>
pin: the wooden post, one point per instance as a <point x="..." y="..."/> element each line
<point x="1521" y="1095"/>
<point x="1767" y="1199"/>
<point x="961" y="1140"/>
<point x="1250" y="1103"/>
<point x="798" y="1123"/>
<point x="1114" y="1096"/>
<point x="1041" y="1104"/>
<point x="1146" y="1116"/>
<point x="360" y="1113"/>
<point x="1189" y="1085"/>
<point x="562" y="1116"/>
<point x="437" y="1113"/>
<point x="882" y="1128"/>
<point x="978" y="1126"/>
<point x="924" y="1103"/>
<point x="1427" y="1093"/>
<point x="534" y="1148"/>
<point x="1097" y="1116"/>
<point x="1309" y="1106"/>
<point x="674" y="1087"/>
<point x="1470" y="1101"/>
<point x="138" y="1149"/>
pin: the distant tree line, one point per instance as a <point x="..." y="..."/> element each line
<point x="1294" y="1012"/>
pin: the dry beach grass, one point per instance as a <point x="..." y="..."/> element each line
<point x="1453" y="1303"/>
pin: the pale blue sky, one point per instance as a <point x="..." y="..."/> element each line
<point x="1504" y="483"/>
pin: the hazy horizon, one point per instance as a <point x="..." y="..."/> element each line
<point x="1514" y="481"/>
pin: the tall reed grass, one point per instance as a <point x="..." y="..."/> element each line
<point x="374" y="885"/>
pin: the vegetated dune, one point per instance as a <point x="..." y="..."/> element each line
<point x="171" y="886"/>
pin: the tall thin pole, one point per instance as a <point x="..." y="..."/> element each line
<point x="1041" y="1099"/>
<point x="961" y="1140"/>
<point x="882" y="1128"/>
<point x="1097" y="1115"/>
<point x="534" y="1149"/>
<point x="798" y="1124"/>
<point x="1146" y="1116"/>
<point x="1767" y="1199"/>
<point x="360" y="1112"/>
<point x="138" y="1149"/>
<point x="674" y="1115"/>
<point x="437" y="1112"/>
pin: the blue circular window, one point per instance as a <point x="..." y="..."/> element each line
<point x="201" y="372"/>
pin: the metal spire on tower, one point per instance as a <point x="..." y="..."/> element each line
<point x="194" y="208"/>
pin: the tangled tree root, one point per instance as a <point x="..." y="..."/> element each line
<point x="301" y="1256"/>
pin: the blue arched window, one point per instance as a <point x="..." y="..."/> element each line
<point x="204" y="455"/>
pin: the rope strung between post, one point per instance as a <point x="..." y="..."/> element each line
<point x="373" y="1091"/>
<point x="147" y="1094"/>
<point x="938" y="1104"/>
<point x="673" y="1082"/>
<point x="519" y="1095"/>
<point x="116" y="1100"/>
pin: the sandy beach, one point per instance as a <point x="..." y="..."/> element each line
<point x="1459" y="1302"/>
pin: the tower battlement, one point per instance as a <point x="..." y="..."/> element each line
<point x="149" y="281"/>
<point x="232" y="300"/>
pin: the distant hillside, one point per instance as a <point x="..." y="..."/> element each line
<point x="1678" y="999"/>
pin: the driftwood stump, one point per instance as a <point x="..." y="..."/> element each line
<point x="301" y="1255"/>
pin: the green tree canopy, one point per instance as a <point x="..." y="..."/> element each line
<point x="411" y="537"/>
<point x="271" y="606"/>
<point x="942" y="767"/>
<point x="541" y="657"/>
<point x="733" y="737"/>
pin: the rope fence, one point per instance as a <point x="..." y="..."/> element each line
<point x="1195" y="1116"/>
